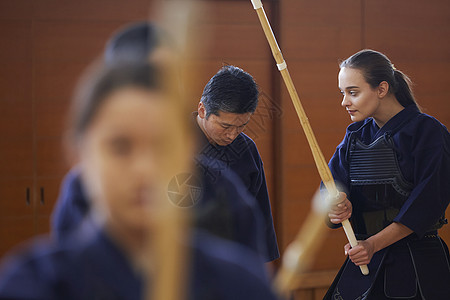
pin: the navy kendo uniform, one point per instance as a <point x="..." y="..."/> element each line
<point x="224" y="209"/>
<point x="89" y="265"/>
<point x="397" y="173"/>
<point x="227" y="210"/>
<point x="71" y="208"/>
<point x="242" y="158"/>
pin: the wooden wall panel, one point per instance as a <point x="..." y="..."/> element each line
<point x="231" y="41"/>
<point x="416" y="40"/>
<point x="16" y="9"/>
<point x="16" y="114"/>
<point x="417" y="33"/>
<point x="230" y="12"/>
<point x="17" y="157"/>
<point x="15" y="230"/>
<point x="319" y="31"/>
<point x="55" y="80"/>
<point x="51" y="119"/>
<point x="76" y="41"/>
<point x="16" y="152"/>
<point x="16" y="41"/>
<point x="50" y="157"/>
<point x="99" y="10"/>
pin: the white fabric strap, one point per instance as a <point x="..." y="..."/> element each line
<point x="282" y="66"/>
<point x="257" y="4"/>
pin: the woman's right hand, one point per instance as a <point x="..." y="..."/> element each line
<point x="340" y="210"/>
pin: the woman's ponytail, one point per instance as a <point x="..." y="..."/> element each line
<point x="402" y="89"/>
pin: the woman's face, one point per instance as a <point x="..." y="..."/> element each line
<point x="360" y="100"/>
<point x="121" y="155"/>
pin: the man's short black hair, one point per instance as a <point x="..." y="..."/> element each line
<point x="132" y="44"/>
<point x="231" y="90"/>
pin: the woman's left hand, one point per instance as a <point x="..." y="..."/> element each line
<point x="361" y="254"/>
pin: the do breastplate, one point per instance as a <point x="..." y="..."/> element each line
<point x="376" y="164"/>
<point x="378" y="188"/>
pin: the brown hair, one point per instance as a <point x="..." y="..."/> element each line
<point x="376" y="67"/>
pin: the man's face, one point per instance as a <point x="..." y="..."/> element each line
<point x="223" y="128"/>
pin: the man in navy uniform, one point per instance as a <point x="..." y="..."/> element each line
<point x="228" y="101"/>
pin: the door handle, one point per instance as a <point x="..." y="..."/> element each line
<point x="42" y="196"/>
<point x="28" y="196"/>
